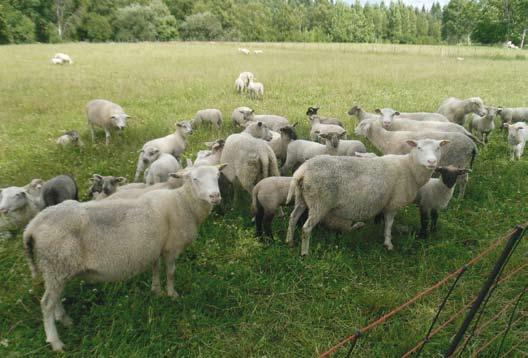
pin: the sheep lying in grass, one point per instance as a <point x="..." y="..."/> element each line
<point x="300" y="151"/>
<point x="214" y="155"/>
<point x="70" y="138"/>
<point x="104" y="186"/>
<point x="241" y="115"/>
<point x="58" y="189"/>
<point x="435" y="195"/>
<point x="312" y="111"/>
<point x="255" y="90"/>
<point x="341" y="191"/>
<point x="112" y="240"/>
<point x="517" y="135"/>
<point x="107" y="115"/>
<point x="318" y="128"/>
<point x="173" y="144"/>
<point x="280" y="141"/>
<point x="267" y="196"/>
<point x="483" y="125"/>
<point x="249" y="158"/>
<point x="159" y="170"/>
<point x="460" y="152"/>
<point x="455" y="109"/>
<point x="211" y="116"/>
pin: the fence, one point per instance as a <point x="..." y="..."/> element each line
<point x="477" y="305"/>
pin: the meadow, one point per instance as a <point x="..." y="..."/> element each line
<point x="241" y="297"/>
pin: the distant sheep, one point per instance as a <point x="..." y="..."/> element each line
<point x="258" y="52"/>
<point x="244" y="50"/>
<point x="211" y="117"/>
<point x="59" y="189"/>
<point x="484" y="125"/>
<point x="61" y="58"/>
<point x="255" y="90"/>
<point x="107" y="115"/>
<point x="517" y="136"/>
<point x="240" y="85"/>
<point x="246" y="76"/>
<point x="70" y="138"/>
<point x="312" y="111"/>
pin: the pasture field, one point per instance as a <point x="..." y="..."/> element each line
<point x="241" y="297"/>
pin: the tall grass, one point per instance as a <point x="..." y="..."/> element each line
<point x="241" y="297"/>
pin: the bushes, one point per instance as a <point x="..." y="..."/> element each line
<point x="97" y="28"/>
<point x="200" y="27"/>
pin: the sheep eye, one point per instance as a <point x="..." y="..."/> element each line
<point x="419" y="148"/>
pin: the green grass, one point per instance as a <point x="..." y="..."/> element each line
<point x="241" y="297"/>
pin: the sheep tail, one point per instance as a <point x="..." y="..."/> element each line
<point x="29" y="249"/>
<point x="273" y="165"/>
<point x="473" y="155"/>
<point x="295" y="185"/>
<point x="254" y="200"/>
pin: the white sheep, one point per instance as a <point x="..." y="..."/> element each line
<point x="134" y="191"/>
<point x="159" y="170"/>
<point x="107" y="115"/>
<point x="366" y="155"/>
<point x="70" y="138"/>
<point x="272" y="121"/>
<point x="240" y="86"/>
<point x="255" y="90"/>
<point x="267" y="196"/>
<point x="455" y="109"/>
<point x="512" y="115"/>
<point x="281" y="139"/>
<point x="300" y="151"/>
<point x="112" y="240"/>
<point x="483" y="125"/>
<point x="18" y="206"/>
<point x="421" y="116"/>
<point x="461" y="151"/>
<point x="312" y="111"/>
<point x="61" y="58"/>
<point x="360" y="113"/>
<point x="244" y="50"/>
<point x="435" y="195"/>
<point x="249" y="158"/>
<point x="350" y="147"/>
<point x="517" y="135"/>
<point x="341" y="191"/>
<point x="241" y="115"/>
<point x="211" y="116"/>
<point x="173" y="144"/>
<point x="214" y="155"/>
<point x="258" y="52"/>
<point x="246" y="76"/>
<point x="318" y="128"/>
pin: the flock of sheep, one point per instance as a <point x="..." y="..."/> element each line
<point x="128" y="228"/>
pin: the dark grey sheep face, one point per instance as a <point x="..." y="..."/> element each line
<point x="450" y="174"/>
<point x="106" y="184"/>
<point x="74" y="135"/>
<point x="354" y="111"/>
<point x="312" y="111"/>
<point x="333" y="138"/>
<point x="12" y="199"/>
<point x="150" y="155"/>
<point x="289" y="132"/>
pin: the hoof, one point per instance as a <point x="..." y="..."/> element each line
<point x="156" y="290"/>
<point x="57" y="346"/>
<point x="389" y="246"/>
<point x="174" y="295"/>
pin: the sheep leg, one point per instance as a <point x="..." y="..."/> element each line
<point x="170" y="267"/>
<point x="424" y="221"/>
<point x="49" y="301"/>
<point x="314" y="216"/>
<point x="61" y="316"/>
<point x="93" y="132"/>
<point x="297" y="212"/>
<point x="140" y="169"/>
<point x="389" y="220"/>
<point x="434" y="219"/>
<point x="462" y="182"/>
<point x="259" y="216"/>
<point x="268" y="221"/>
<point x="107" y="136"/>
<point x="156" y="285"/>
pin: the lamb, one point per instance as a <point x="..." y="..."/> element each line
<point x="70" y="138"/>
<point x="159" y="170"/>
<point x="360" y="113"/>
<point x="312" y="111"/>
<point x="512" y="115"/>
<point x="460" y="153"/>
<point x="267" y="196"/>
<point x="17" y="207"/>
<point x="421" y="116"/>
<point x="249" y="158"/>
<point x="517" y="135"/>
<point x="174" y="144"/>
<point x="435" y="195"/>
<point x="483" y="125"/>
<point x="246" y="76"/>
<point x="300" y="151"/>
<point x="104" y="186"/>
<point x="342" y="190"/>
<point x="241" y="115"/>
<point x="318" y="128"/>
<point x="211" y="116"/>
<point x="239" y="85"/>
<point x="214" y="157"/>
<point x="58" y="189"/>
<point x="112" y="240"/>
<point x="255" y="90"/>
<point x="455" y="109"/>
<point x="280" y="141"/>
<point x="107" y="115"/>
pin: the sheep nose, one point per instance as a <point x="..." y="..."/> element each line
<point x="215" y="198"/>
<point x="431" y="161"/>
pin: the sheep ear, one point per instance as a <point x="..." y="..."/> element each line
<point x="97" y="176"/>
<point x="444" y="142"/>
<point x="396" y="114"/>
<point x="377" y="110"/>
<point x="122" y="180"/>
<point x="221" y="166"/>
<point x="179" y="125"/>
<point x="180" y="174"/>
<point x="411" y="143"/>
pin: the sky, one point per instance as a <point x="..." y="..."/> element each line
<point x="417" y="3"/>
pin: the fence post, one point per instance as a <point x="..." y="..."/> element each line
<point x="485" y="289"/>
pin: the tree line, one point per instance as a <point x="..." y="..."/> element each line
<point x="481" y="21"/>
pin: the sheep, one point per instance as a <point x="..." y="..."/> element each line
<point x="112" y="240"/>
<point x="455" y="109"/>
<point x="300" y="151"/>
<point x="133" y="191"/>
<point x="70" y="138"/>
<point x="239" y="85"/>
<point x="366" y="155"/>
<point x="107" y="115"/>
<point x="159" y="170"/>
<point x="18" y="206"/>
<point x="34" y="188"/>
<point x="103" y="186"/>
<point x="350" y="147"/>
<point x="255" y="90"/>
<point x="174" y="144"/>
<point x="460" y="153"/>
<point x="267" y="196"/>
<point x="312" y="111"/>
<point x="245" y="51"/>
<point x="394" y="121"/>
<point x="249" y="158"/>
<point x="318" y="128"/>
<point x="360" y="113"/>
<point x="272" y="121"/>
<point x="341" y="191"/>
<point x="483" y="125"/>
<point x="61" y="58"/>
<point x="258" y="52"/>
<point x="281" y="139"/>
<point x="246" y="76"/>
<point x="517" y="135"/>
<point x="58" y="189"/>
<point x="512" y="115"/>
<point x="211" y="116"/>
<point x="56" y="61"/>
<point x="435" y="195"/>
<point x="421" y="116"/>
<point x="241" y="115"/>
<point x="213" y="157"/>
